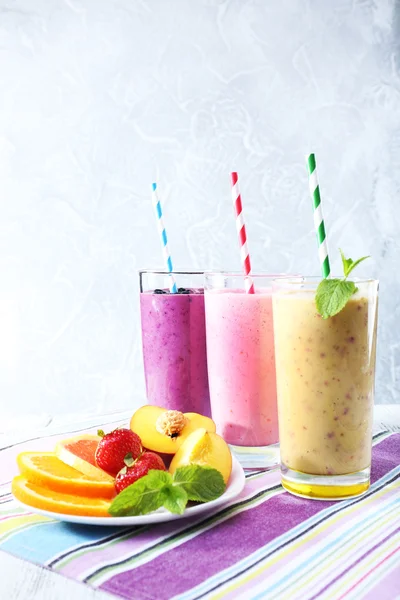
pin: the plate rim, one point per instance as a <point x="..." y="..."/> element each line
<point x="153" y="517"/>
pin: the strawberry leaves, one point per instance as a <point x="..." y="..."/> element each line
<point x="129" y="460"/>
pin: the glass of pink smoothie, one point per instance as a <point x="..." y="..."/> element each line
<point x="241" y="366"/>
<point x="174" y="341"/>
<point x="325" y="372"/>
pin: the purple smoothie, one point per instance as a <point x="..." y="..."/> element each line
<point x="174" y="350"/>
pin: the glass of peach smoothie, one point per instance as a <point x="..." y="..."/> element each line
<point x="325" y="370"/>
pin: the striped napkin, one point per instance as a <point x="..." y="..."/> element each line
<point x="266" y="544"/>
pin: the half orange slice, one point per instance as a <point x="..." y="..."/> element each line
<point x="46" y="499"/>
<point x="45" y="469"/>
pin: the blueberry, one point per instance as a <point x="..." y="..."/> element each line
<point x="159" y="292"/>
<point x="183" y="291"/>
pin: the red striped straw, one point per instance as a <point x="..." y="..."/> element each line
<point x="241" y="229"/>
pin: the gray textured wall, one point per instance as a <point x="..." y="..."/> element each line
<point x="99" y="97"/>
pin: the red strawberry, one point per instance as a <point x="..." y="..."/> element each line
<point x="114" y="447"/>
<point x="140" y="468"/>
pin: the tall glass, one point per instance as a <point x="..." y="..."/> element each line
<point x="325" y="380"/>
<point x="174" y="341"/>
<point x="241" y="366"/>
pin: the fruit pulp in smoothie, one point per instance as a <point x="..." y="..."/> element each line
<point x="174" y="350"/>
<point x="241" y="366"/>
<point x="325" y="380"/>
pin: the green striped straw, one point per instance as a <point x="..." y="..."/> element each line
<point x="318" y="218"/>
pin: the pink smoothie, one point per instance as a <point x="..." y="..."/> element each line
<point x="241" y="366"/>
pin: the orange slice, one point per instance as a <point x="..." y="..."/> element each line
<point x="79" y="452"/>
<point x="47" y="499"/>
<point x="45" y="469"/>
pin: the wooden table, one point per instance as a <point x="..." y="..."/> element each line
<point x="21" y="580"/>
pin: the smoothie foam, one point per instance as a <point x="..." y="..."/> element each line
<point x="241" y="366"/>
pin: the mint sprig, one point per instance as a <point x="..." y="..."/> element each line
<point x="350" y="264"/>
<point x="160" y="488"/>
<point x="333" y="294"/>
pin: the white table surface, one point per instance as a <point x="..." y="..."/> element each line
<point x="20" y="580"/>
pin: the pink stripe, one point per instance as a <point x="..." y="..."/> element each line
<point x="369" y="573"/>
<point x="78" y="567"/>
<point x="13" y="516"/>
<point x="388" y="585"/>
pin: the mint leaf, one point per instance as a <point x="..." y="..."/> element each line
<point x="332" y="296"/>
<point x="141" y="497"/>
<point x="349" y="264"/>
<point x="201" y="484"/>
<point x="174" y="498"/>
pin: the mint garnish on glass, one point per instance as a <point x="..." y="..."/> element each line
<point x="161" y="489"/>
<point x="333" y="294"/>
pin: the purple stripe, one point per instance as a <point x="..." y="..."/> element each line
<point x="194" y="561"/>
<point x="129" y="547"/>
<point x="326" y="587"/>
<point x="283" y="564"/>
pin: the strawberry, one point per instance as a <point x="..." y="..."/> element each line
<point x="116" y="447"/>
<point x="140" y="468"/>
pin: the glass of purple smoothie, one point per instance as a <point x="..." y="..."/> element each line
<point x="174" y="341"/>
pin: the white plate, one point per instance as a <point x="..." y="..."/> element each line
<point x="235" y="485"/>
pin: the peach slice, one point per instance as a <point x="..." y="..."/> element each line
<point x="163" y="430"/>
<point x="206" y="448"/>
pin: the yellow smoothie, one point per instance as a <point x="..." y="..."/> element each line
<point x="325" y="383"/>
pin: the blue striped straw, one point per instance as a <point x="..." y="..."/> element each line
<point x="163" y="237"/>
